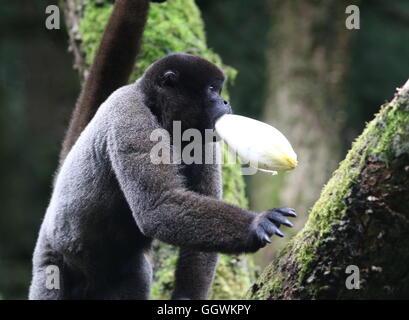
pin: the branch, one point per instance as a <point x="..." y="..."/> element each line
<point x="361" y="218"/>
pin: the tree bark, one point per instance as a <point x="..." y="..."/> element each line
<point x="307" y="62"/>
<point x="361" y="219"/>
<point x="175" y="26"/>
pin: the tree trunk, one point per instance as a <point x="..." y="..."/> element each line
<point x="308" y="60"/>
<point x="175" y="26"/>
<point x="361" y="219"/>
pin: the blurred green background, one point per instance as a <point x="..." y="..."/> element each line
<point x="38" y="89"/>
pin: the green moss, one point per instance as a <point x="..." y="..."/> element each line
<point x="377" y="140"/>
<point x="176" y="26"/>
<point x="165" y="257"/>
<point x="270" y="283"/>
<point x="233" y="277"/>
<point x="391" y="129"/>
<point x="275" y="286"/>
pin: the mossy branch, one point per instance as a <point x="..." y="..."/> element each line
<point x="361" y="218"/>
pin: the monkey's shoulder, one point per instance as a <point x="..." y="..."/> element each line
<point x="128" y="98"/>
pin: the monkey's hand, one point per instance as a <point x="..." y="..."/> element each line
<point x="267" y="224"/>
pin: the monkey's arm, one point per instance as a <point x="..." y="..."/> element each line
<point x="112" y="64"/>
<point x="170" y="213"/>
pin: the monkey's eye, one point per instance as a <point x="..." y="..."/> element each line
<point x="214" y="88"/>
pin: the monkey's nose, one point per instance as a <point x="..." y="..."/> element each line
<point x="227" y="104"/>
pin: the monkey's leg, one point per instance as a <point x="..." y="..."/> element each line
<point x="131" y="282"/>
<point x="194" y="274"/>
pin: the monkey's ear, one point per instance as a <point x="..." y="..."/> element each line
<point x="168" y="79"/>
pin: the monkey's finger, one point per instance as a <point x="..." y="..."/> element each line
<point x="267" y="229"/>
<point x="279" y="233"/>
<point x="278" y="218"/>
<point x="271" y="229"/>
<point x="262" y="236"/>
<point x="288" y="212"/>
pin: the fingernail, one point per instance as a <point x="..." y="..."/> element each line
<point x="267" y="239"/>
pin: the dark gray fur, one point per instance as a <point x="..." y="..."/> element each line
<point x="109" y="201"/>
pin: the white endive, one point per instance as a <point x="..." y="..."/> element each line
<point x="257" y="143"/>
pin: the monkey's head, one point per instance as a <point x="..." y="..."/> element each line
<point x="185" y="88"/>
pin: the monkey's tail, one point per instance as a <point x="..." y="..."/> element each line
<point x="112" y="65"/>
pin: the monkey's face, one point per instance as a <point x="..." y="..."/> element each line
<point x="188" y="89"/>
<point x="195" y="104"/>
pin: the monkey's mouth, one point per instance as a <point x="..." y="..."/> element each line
<point x="218" y="115"/>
